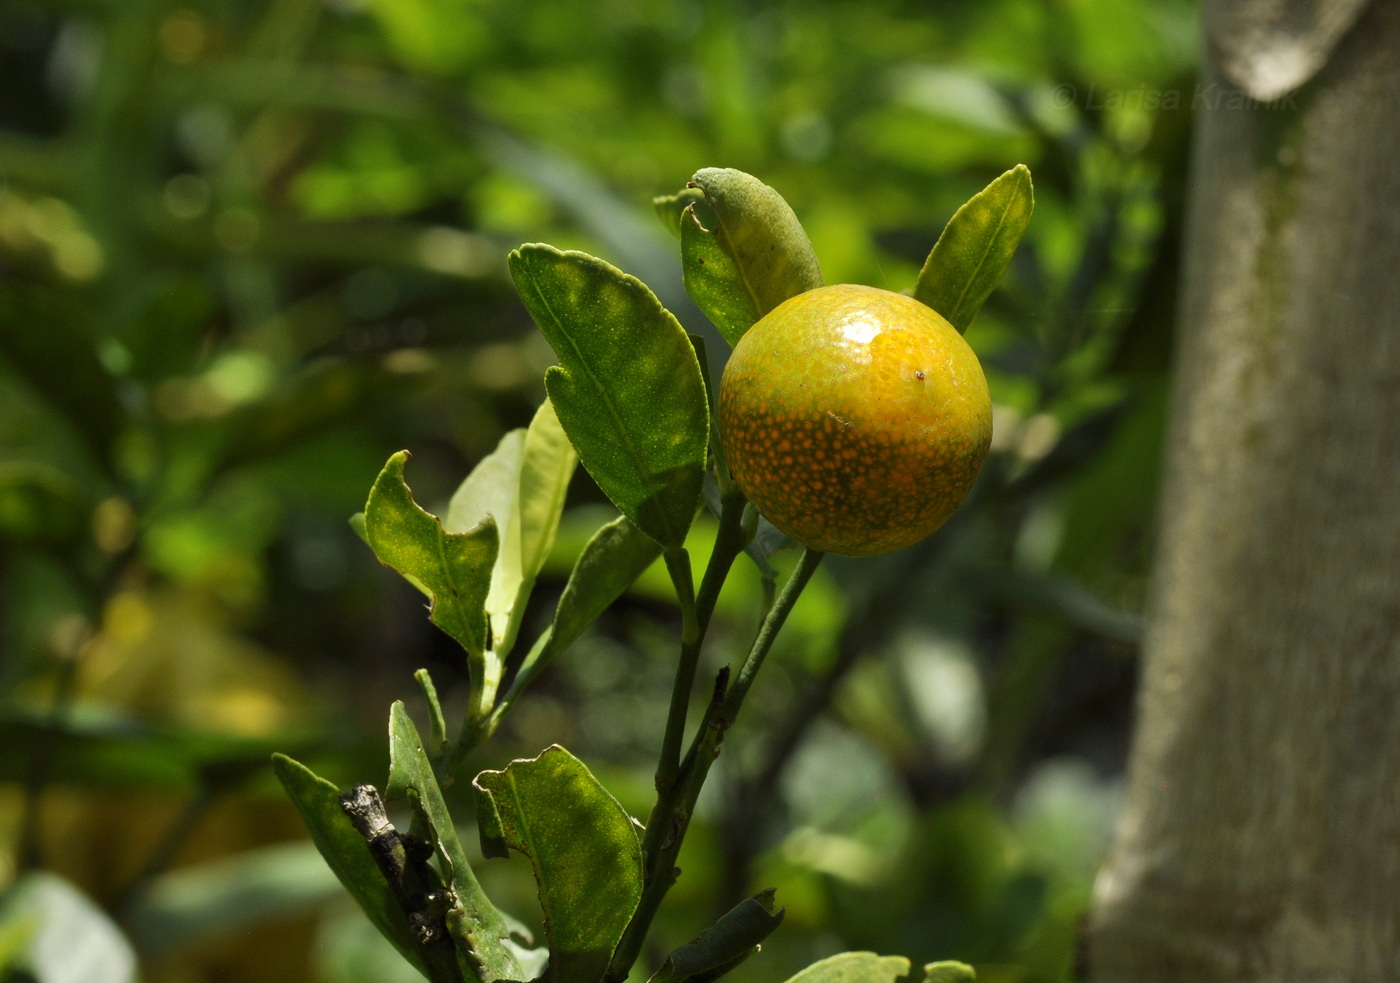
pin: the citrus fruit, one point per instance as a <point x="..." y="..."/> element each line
<point x="854" y="419"/>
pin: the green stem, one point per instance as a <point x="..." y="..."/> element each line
<point x="675" y="804"/>
<point x="534" y="663"/>
<point x="696" y="611"/>
<point x="730" y="541"/>
<point x="669" y="763"/>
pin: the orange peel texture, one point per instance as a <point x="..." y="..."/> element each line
<point x="854" y="419"/>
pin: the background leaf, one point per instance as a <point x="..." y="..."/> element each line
<point x="454" y="568"/>
<point x="49" y="341"/>
<point x="345" y="851"/>
<point x="346" y="953"/>
<point x="587" y="859"/>
<point x="976" y="246"/>
<point x="949" y="972"/>
<point x="40" y="504"/>
<point x="205" y="900"/>
<point x="743" y="251"/>
<point x="107" y="750"/>
<point x="67" y="938"/>
<point x="855" y="967"/>
<point x="627" y="390"/>
<point x="411" y="777"/>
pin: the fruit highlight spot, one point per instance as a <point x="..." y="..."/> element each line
<point x="855" y="419"/>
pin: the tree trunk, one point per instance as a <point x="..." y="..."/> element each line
<point x="1261" y="835"/>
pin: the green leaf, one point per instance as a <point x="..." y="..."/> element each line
<point x="479" y="927"/>
<point x="522" y="485"/>
<point x="628" y="389"/>
<point x="583" y="846"/>
<point x="357" y="526"/>
<point x="61" y="935"/>
<point x="743" y="251"/>
<point x="493" y="490"/>
<point x="616" y="556"/>
<point x="724" y="944"/>
<point x="345" y="851"/>
<point x="949" y="972"/>
<point x="975" y="248"/>
<point x="437" y="729"/>
<point x="854" y="967"/>
<point x="545" y="474"/>
<point x="671" y="208"/>
<point x="454" y="569"/>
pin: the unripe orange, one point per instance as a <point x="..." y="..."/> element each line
<point x="855" y="419"/>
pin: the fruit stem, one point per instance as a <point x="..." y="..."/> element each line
<point x="806" y="566"/>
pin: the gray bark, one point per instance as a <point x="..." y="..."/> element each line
<point x="1261" y="835"/>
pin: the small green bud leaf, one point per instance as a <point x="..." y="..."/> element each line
<point x="743" y="251"/>
<point x="436" y="720"/>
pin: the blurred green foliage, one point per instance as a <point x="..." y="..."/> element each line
<point x="250" y="249"/>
